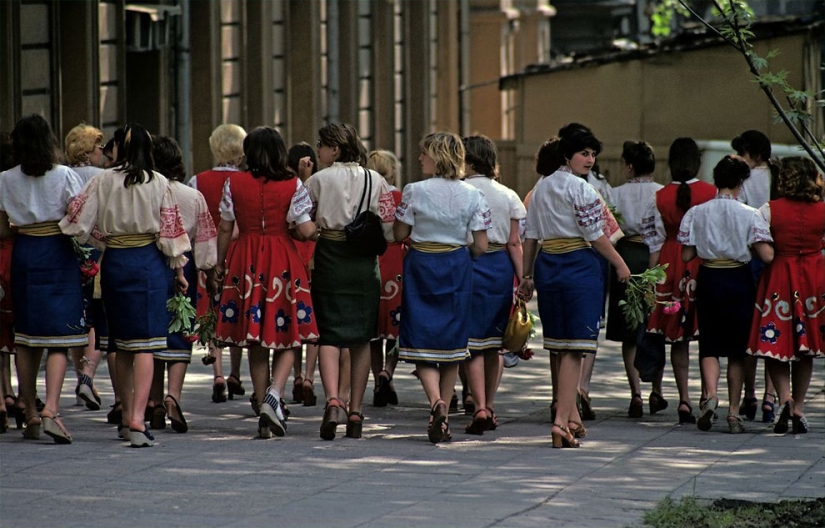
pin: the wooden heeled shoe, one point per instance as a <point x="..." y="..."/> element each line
<point x="563" y="437"/>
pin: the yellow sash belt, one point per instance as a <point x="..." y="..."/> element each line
<point x="130" y="241"/>
<point x="634" y="238"/>
<point x="722" y="263"/>
<point x="563" y="245"/>
<point x="435" y="247"/>
<point x="40" y="229"/>
<point x="492" y="247"/>
<point x="333" y="234"/>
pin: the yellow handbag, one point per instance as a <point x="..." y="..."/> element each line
<point x="518" y="328"/>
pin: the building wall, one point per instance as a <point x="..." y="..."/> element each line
<point x="706" y="94"/>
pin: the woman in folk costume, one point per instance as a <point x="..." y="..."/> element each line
<point x="722" y="233"/>
<point x="439" y="215"/>
<point x="45" y="275"/>
<point x="391" y="265"/>
<point x="84" y="154"/>
<point x="755" y="148"/>
<point x="566" y="215"/>
<point x="631" y="199"/>
<point x="131" y="211"/>
<point x="204" y="239"/>
<point x="226" y="145"/>
<point x="660" y="226"/>
<point x="789" y="319"/>
<point x="346" y="285"/>
<point x="302" y="160"/>
<point x="265" y="299"/>
<point x="493" y="276"/>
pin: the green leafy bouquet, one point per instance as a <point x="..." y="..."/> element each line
<point x="640" y="295"/>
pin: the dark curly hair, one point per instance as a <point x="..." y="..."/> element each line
<point x="35" y="147"/>
<point x="730" y="172"/>
<point x="168" y="158"/>
<point x="640" y="155"/>
<point x="548" y="157"/>
<point x="797" y="180"/>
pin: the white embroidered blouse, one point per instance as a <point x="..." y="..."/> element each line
<point x="198" y="224"/>
<point x="723" y="228"/>
<point x="443" y="211"/>
<point x="504" y="203"/>
<point x="336" y="193"/>
<point x="106" y="207"/>
<point x="564" y="205"/>
<point x="631" y="200"/>
<point x="34" y="199"/>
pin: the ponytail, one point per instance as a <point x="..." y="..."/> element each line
<point x="683" y="197"/>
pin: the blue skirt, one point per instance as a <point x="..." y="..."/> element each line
<point x="569" y="288"/>
<point x="46" y="292"/>
<point x="491" y="302"/>
<point x="178" y="348"/>
<point x="725" y="298"/>
<point x="435" y="306"/>
<point x="135" y="284"/>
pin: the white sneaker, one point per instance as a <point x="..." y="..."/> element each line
<point x="273" y="415"/>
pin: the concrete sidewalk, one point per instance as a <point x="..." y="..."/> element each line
<point x="218" y="474"/>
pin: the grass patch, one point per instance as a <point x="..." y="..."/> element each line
<point x="726" y="513"/>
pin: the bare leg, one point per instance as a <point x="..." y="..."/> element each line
<point x="345" y="375"/>
<point x="359" y="374"/>
<point x="111" y="362"/>
<point x="438" y="382"/>
<point x="493" y="367"/>
<point x="780" y="373"/>
<point x="124" y="366"/>
<point x="710" y="375"/>
<point x="235" y="356"/>
<point x="328" y="361"/>
<point x="554" y="375"/>
<point x="749" y="364"/>
<point x="312" y="360"/>
<point x="177" y="373"/>
<point x="156" y="392"/>
<point x="392" y="359"/>
<point x="680" y="362"/>
<point x="569" y="370"/>
<point x="588" y="362"/>
<point x="28" y="365"/>
<point x="217" y="366"/>
<point x="282" y="362"/>
<point x="142" y="370"/>
<point x="736" y="377"/>
<point x="629" y="355"/>
<point x="801" y="373"/>
<point x="376" y="359"/>
<point x="259" y="370"/>
<point x="474" y="373"/>
<point x="56" y="363"/>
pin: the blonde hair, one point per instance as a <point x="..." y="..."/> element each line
<point x="447" y="151"/>
<point x="226" y="143"/>
<point x="384" y="163"/>
<point x="80" y="142"/>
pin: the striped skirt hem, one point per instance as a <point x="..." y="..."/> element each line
<point x="432" y="356"/>
<point x="141" y="345"/>
<point x="78" y="340"/>
<point x="571" y="345"/>
<point x="488" y="343"/>
<point x="178" y="356"/>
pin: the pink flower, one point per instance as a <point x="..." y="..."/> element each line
<point x="672" y="307"/>
<point x="191" y="338"/>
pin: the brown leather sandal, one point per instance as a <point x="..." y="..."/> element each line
<point x="330" y="422"/>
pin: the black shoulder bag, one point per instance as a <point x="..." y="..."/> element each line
<point x="364" y="234"/>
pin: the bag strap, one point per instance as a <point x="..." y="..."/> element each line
<point x="364" y="192"/>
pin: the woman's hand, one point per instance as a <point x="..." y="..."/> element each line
<point x="623" y="273"/>
<point x="182" y="283"/>
<point x="525" y="289"/>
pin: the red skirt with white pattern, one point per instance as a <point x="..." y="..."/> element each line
<point x="679" y="287"/>
<point x="391" y="265"/>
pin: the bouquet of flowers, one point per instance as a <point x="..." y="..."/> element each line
<point x="203" y="329"/>
<point x="640" y="296"/>
<point x="89" y="268"/>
